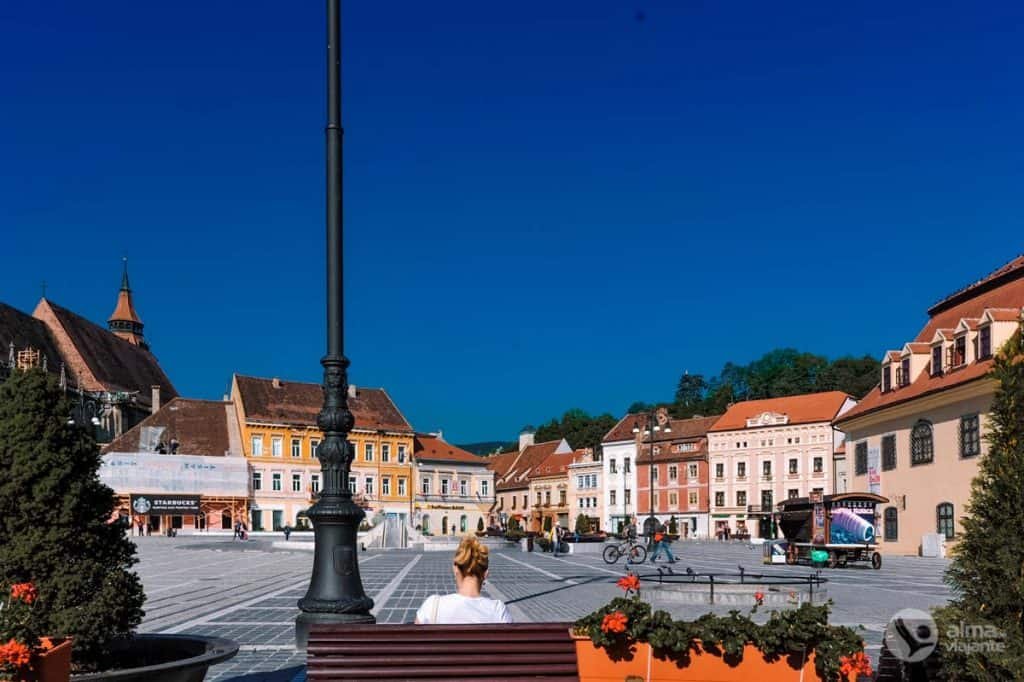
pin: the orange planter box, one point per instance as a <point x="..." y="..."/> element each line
<point x="596" y="666"/>
<point x="53" y="664"/>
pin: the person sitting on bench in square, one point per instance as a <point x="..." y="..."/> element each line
<point x="465" y="605"/>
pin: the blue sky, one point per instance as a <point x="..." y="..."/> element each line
<point x="548" y="205"/>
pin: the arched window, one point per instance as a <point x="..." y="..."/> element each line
<point x="444" y="525"/>
<point x="944" y="519"/>
<point x="462" y="524"/>
<point x="922" y="448"/>
<point x="426" y="524"/>
<point x="892" y="524"/>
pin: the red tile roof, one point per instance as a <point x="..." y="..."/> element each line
<point x="298" y="403"/>
<point x="501" y="463"/>
<point x="683" y="429"/>
<point x="555" y="465"/>
<point x="915" y="347"/>
<point x="692" y="430"/>
<point x="1005" y="314"/>
<point x="801" y="409"/>
<point x="1003" y="288"/>
<point x="430" y="447"/>
<point x="624" y="429"/>
<point x="201" y="427"/>
<point x="893" y="355"/>
<point x="517" y="475"/>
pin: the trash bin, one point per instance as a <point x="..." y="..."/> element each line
<point x="529" y="543"/>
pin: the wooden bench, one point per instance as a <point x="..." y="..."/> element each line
<point x="387" y="653"/>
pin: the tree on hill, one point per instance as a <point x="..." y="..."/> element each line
<point x="579" y="428"/>
<point x="56" y="529"/>
<point x="987" y="572"/>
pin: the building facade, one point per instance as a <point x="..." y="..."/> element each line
<point x="280" y="437"/>
<point x="549" y="492"/>
<point x="512" y="479"/>
<point x="916" y="438"/>
<point x="763" y="451"/>
<point x="619" y="449"/>
<point x="454" y="488"/>
<point x="586" y="489"/>
<point x="677" y="464"/>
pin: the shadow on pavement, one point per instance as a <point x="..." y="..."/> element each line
<point x="295" y="673"/>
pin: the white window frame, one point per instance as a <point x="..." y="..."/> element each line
<point x="296" y="447"/>
<point x="485" y="488"/>
<point x="256" y="445"/>
<point x="692" y="471"/>
<point x="275" y="482"/>
<point x="367" y="452"/>
<point x="313" y="445"/>
<point x="296" y="483"/>
<point x="257" y="480"/>
<point x="385" y="486"/>
<point x="314" y="483"/>
<point x="445" y="486"/>
<point x="425" y="485"/>
<point x="385" y="452"/>
<point x="401" y="486"/>
<point x="276" y="446"/>
<point x="368" y="486"/>
<point x="401" y="453"/>
<point x="463" y="487"/>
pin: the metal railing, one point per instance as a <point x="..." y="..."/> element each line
<point x="711" y="580"/>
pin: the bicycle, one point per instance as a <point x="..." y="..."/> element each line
<point x="635" y="553"/>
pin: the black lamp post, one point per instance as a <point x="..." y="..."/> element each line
<point x="651" y="427"/>
<point x="335" y="593"/>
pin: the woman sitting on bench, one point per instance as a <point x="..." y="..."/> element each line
<point x="465" y="605"/>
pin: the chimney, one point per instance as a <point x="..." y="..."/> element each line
<point x="351" y="390"/>
<point x="276" y="382"/>
<point x="526" y="438"/>
<point x="155" y="398"/>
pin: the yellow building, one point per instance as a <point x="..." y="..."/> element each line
<point x="280" y="436"/>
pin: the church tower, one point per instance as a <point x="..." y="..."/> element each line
<point x="124" y="321"/>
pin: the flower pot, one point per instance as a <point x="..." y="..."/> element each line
<point x="596" y="665"/>
<point x="53" y="663"/>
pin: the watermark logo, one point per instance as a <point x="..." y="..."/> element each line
<point x="973" y="638"/>
<point x="911" y="635"/>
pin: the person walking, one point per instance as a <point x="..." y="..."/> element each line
<point x="556" y="538"/>
<point x="661" y="544"/>
<point x="465" y="605"/>
<point x="287" y="533"/>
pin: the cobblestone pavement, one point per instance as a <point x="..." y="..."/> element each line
<point x="246" y="591"/>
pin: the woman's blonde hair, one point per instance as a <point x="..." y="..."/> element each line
<point x="471" y="558"/>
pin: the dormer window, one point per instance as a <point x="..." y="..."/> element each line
<point x="985" y="342"/>
<point x="959" y="351"/>
<point x="903" y="373"/>
<point x="937" y="360"/>
<point x="887" y="378"/>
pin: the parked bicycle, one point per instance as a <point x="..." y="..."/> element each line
<point x="634" y="553"/>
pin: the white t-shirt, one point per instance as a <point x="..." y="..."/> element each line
<point x="454" y="609"/>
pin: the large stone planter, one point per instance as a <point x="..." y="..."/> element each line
<point x="53" y="664"/>
<point x="164" y="658"/>
<point x="595" y="665"/>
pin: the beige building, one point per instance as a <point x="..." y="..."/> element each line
<point x="916" y="438"/>
<point x="512" y="482"/>
<point x="454" y="488"/>
<point x="549" y="492"/>
<point x="763" y="451"/>
<point x="585" y="489"/>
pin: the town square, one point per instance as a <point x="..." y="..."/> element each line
<point x="586" y="342"/>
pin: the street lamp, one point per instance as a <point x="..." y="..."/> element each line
<point x="335" y="593"/>
<point x="650" y="427"/>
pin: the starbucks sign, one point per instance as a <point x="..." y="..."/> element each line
<point x="165" y="504"/>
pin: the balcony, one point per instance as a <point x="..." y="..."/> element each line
<point x="766" y="477"/>
<point x="759" y="509"/>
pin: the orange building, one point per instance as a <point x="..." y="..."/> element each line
<point x="280" y="436"/>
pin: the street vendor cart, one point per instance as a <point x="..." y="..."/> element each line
<point x="837" y="528"/>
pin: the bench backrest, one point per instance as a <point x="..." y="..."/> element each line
<point x="532" y="651"/>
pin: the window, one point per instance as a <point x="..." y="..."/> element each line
<point x="257" y="446"/>
<point x="444" y="486"/>
<point x="741" y="469"/>
<point x="984" y="342"/>
<point x="789" y="441"/>
<point x="673" y="472"/>
<point x="352" y="484"/>
<point x="296" y="483"/>
<point x="425" y="485"/>
<point x="401" y="487"/>
<point x="818" y="465"/>
<point x="368" y="486"/>
<point x="579" y="481"/>
<point x="561" y="498"/>
<point x="970" y="438"/>
<point x="611" y="497"/>
<point x="625" y="465"/>
<point x="385" y="483"/>
<point x="944" y="520"/>
<point x="903" y="376"/>
<point x="314" y="483"/>
<point x="524" y="501"/>
<point x="462" y="523"/>
<point x="277" y="446"/>
<point x="888" y="452"/>
<point x="611" y="466"/>
<point x="797" y="440"/>
<point x="547" y="498"/>
<point x="385" y="452"/>
<point x="368" y="452"/>
<point x="741" y="498"/>
<point x="719" y="499"/>
<point x="485" y="488"/>
<point x="673" y="499"/>
<point x="275" y="482"/>
<point x="766" y="499"/>
<point x="463" y="487"/>
<point x="818" y="491"/>
<point x="921" y="446"/>
<point x="296" y="447"/>
<point x="892" y="525"/>
<point x="580" y="503"/>
<point x="937" y="360"/>
<point x="766" y="468"/>
<point x="886" y="378"/>
<point x="654" y="473"/>
<point x="313" y="445"/>
<point x="692" y="498"/>
<point x="539" y="498"/>
<point x="257" y="480"/>
<point x="959" y="350"/>
<point x="860" y="459"/>
<point x="691" y="470"/>
<point x="626" y="497"/>
<point x="793" y="464"/>
<point x="794" y="493"/>
<point x="719" y="470"/>
<point x="401" y="453"/>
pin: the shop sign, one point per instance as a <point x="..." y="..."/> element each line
<point x="445" y="506"/>
<point x="165" y="504"/>
<point x="874" y="470"/>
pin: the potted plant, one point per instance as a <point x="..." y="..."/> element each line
<point x="625" y="638"/>
<point x="24" y="654"/>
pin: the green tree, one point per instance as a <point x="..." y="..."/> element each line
<point x="855" y="376"/>
<point x="987" y="572"/>
<point x="56" y="529"/>
<point x="582" y="524"/>
<point x="578" y="428"/>
<point x="690" y="390"/>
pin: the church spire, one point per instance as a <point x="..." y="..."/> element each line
<point x="124" y="321"/>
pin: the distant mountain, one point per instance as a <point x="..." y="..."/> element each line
<point x="486" y="447"/>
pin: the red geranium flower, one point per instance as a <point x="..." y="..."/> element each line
<point x="759" y="598"/>
<point x="629" y="582"/>
<point x="853" y="666"/>
<point x="614" y="622"/>
<point x="15" y="653"/>
<point x="25" y="592"/>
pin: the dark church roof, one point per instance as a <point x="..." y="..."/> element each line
<point x="101" y="360"/>
<point x="25" y="331"/>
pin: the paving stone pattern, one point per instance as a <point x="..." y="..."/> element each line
<point x="247" y="591"/>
